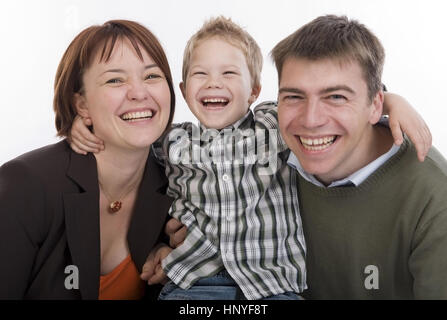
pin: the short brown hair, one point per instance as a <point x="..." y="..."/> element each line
<point x="336" y="37"/>
<point x="229" y="31"/>
<point x="80" y="54"/>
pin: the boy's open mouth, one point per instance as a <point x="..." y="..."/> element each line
<point x="138" y="115"/>
<point x="215" y="102"/>
<point x="317" y="144"/>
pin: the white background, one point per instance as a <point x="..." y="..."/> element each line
<point x="34" y="35"/>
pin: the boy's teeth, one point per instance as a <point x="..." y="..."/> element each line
<point x="214" y="100"/>
<point x="137" y="115"/>
<point x="317" y="144"/>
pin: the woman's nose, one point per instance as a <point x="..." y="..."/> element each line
<point x="137" y="91"/>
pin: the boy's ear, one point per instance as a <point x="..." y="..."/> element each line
<point x="376" y="108"/>
<point x="182" y="89"/>
<point x="255" y="91"/>
<point x="80" y="105"/>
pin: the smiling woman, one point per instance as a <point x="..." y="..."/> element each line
<point x="102" y="213"/>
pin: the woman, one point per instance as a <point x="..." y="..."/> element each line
<point x="77" y="227"/>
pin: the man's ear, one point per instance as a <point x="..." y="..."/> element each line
<point x="183" y="89"/>
<point x="255" y="91"/>
<point x="376" y="108"/>
<point x="81" y="105"/>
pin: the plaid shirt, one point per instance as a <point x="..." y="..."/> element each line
<point x="238" y="198"/>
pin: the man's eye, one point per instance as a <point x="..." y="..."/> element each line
<point x="337" y="97"/>
<point x="292" y="98"/>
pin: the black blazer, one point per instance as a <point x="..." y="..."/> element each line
<point x="49" y="219"/>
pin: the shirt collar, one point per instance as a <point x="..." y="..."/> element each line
<point x="355" y="178"/>
<point x="242" y="123"/>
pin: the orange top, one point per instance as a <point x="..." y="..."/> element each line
<point x="123" y="283"/>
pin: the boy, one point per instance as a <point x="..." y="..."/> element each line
<point x="230" y="180"/>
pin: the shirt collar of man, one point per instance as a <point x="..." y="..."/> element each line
<point x="355" y="178"/>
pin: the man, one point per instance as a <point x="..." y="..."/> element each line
<point x="374" y="218"/>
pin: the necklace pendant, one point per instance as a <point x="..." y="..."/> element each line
<point x="115" y="206"/>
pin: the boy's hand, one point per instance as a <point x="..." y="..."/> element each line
<point x="81" y="139"/>
<point x="404" y="118"/>
<point x="176" y="232"/>
<point x="152" y="271"/>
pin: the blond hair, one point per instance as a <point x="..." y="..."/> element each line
<point x="335" y="37"/>
<point x="227" y="30"/>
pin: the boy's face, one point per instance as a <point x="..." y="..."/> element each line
<point x="218" y="86"/>
<point x="325" y="116"/>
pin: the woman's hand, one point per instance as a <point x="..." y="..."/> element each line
<point x="404" y="118"/>
<point x="81" y="139"/>
<point x="152" y="271"/>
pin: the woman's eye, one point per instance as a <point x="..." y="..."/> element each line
<point x="153" y="76"/>
<point x="114" y="81"/>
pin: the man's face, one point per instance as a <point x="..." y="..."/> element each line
<point x="325" y="116"/>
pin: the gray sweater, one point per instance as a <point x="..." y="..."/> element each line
<point x="385" y="239"/>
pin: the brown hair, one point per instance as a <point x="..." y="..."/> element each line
<point x="79" y="56"/>
<point x="336" y="37"/>
<point x="229" y="31"/>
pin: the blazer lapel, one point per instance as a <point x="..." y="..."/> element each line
<point x="150" y="213"/>
<point x="82" y="223"/>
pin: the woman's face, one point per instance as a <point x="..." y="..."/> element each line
<point x="127" y="99"/>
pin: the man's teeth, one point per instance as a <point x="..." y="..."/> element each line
<point x="137" y="115"/>
<point x="317" y="144"/>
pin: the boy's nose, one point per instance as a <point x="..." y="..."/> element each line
<point x="214" y="82"/>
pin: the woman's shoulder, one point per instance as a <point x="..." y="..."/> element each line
<point x="37" y="165"/>
<point x="46" y="156"/>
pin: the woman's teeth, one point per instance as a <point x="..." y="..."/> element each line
<point x="317" y="144"/>
<point x="130" y="116"/>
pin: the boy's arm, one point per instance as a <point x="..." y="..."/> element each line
<point x="81" y="139"/>
<point x="152" y="272"/>
<point x="404" y="118"/>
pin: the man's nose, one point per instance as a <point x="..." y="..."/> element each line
<point x="313" y="114"/>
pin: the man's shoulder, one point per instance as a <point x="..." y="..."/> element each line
<point x="434" y="164"/>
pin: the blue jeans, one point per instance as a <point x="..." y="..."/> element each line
<point x="218" y="287"/>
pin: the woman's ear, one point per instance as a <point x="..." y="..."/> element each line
<point x="80" y="105"/>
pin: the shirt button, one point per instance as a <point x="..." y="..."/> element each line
<point x="225" y="177"/>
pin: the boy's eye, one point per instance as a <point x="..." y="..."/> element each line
<point x="198" y="73"/>
<point x="229" y="72"/>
